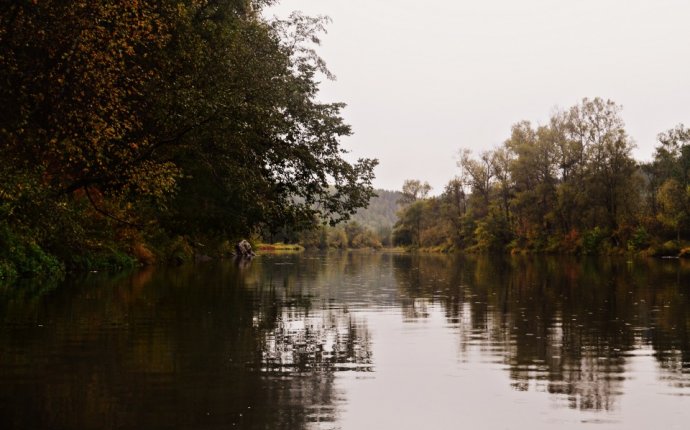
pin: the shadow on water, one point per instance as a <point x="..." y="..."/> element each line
<point x="200" y="347"/>
<point x="261" y="345"/>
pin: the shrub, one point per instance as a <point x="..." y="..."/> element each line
<point x="593" y="241"/>
<point x="101" y="259"/>
<point x="639" y="240"/>
<point x="670" y="248"/>
<point x="572" y="242"/>
<point x="21" y="256"/>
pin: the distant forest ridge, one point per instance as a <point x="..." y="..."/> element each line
<point x="381" y="212"/>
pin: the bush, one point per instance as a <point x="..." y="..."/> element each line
<point x="639" y="240"/>
<point x="572" y="242"/>
<point x="178" y="250"/>
<point x="21" y="256"/>
<point x="102" y="259"/>
<point x="493" y="233"/>
<point x="593" y="241"/>
<point x="670" y="248"/>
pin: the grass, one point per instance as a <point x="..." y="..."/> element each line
<point x="279" y="247"/>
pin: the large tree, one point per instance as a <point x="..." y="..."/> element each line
<point x="608" y="169"/>
<point x="200" y="114"/>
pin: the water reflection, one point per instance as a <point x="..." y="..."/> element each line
<point x="325" y="340"/>
<point x="302" y="341"/>
<point x="562" y="325"/>
<point x="178" y="348"/>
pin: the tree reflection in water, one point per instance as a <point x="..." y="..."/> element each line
<point x="323" y="340"/>
<point x="180" y="348"/>
<point x="562" y="325"/>
<point x="265" y="345"/>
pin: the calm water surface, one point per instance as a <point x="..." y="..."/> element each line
<point x="353" y="341"/>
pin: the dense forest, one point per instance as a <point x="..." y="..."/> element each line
<point x="569" y="186"/>
<point x="155" y="130"/>
<point x="369" y="227"/>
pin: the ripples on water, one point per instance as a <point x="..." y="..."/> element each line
<point x="353" y="341"/>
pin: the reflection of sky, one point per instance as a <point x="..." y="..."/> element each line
<point x="424" y="380"/>
<point x="318" y="340"/>
<point x="438" y="342"/>
<point x="451" y="341"/>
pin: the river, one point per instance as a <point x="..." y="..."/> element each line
<point x="353" y="341"/>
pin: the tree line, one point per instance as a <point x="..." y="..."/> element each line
<point x="150" y="129"/>
<point x="570" y="185"/>
<point x="370" y="227"/>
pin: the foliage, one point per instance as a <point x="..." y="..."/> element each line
<point x="424" y="223"/>
<point x="639" y="240"/>
<point x="19" y="256"/>
<point x="351" y="235"/>
<point x="592" y="240"/>
<point x="492" y="233"/>
<point x="413" y="190"/>
<point x="122" y="121"/>
<point x="381" y="211"/>
<point x="107" y="259"/>
<point x="570" y="185"/>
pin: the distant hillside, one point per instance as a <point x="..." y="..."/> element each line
<point x="381" y="212"/>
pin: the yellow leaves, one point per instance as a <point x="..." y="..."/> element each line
<point x="154" y="179"/>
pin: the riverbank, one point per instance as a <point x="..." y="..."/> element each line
<point x="669" y="249"/>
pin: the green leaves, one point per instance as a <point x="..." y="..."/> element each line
<point x="199" y="115"/>
<point x="537" y="190"/>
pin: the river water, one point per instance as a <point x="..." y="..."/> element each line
<point x="353" y="341"/>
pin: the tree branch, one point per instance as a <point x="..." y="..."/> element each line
<point x="106" y="214"/>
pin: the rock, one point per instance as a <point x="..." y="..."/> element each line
<point x="244" y="249"/>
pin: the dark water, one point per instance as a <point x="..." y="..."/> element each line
<point x="353" y="341"/>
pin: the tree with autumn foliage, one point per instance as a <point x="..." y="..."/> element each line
<point x="128" y="120"/>
<point x="570" y="185"/>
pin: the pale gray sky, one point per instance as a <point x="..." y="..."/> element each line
<point x="424" y="78"/>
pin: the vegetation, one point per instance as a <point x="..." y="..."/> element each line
<point x="570" y="186"/>
<point x="381" y="213"/>
<point x="157" y="129"/>
<point x="279" y="247"/>
<point x="369" y="227"/>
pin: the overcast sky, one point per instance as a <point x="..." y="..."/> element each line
<point x="424" y="78"/>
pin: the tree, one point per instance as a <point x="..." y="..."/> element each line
<point x="674" y="202"/>
<point x="454" y="208"/>
<point x="672" y="157"/>
<point x="75" y="90"/>
<point x="533" y="171"/>
<point x="669" y="179"/>
<point x="546" y="186"/>
<point x="413" y="190"/>
<point x="259" y="149"/>
<point x="478" y="175"/>
<point x="408" y="229"/>
<point x="597" y="126"/>
<point x="196" y="117"/>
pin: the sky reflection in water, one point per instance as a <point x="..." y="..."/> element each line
<point x="354" y="341"/>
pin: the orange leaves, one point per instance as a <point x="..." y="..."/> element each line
<point x="77" y="75"/>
